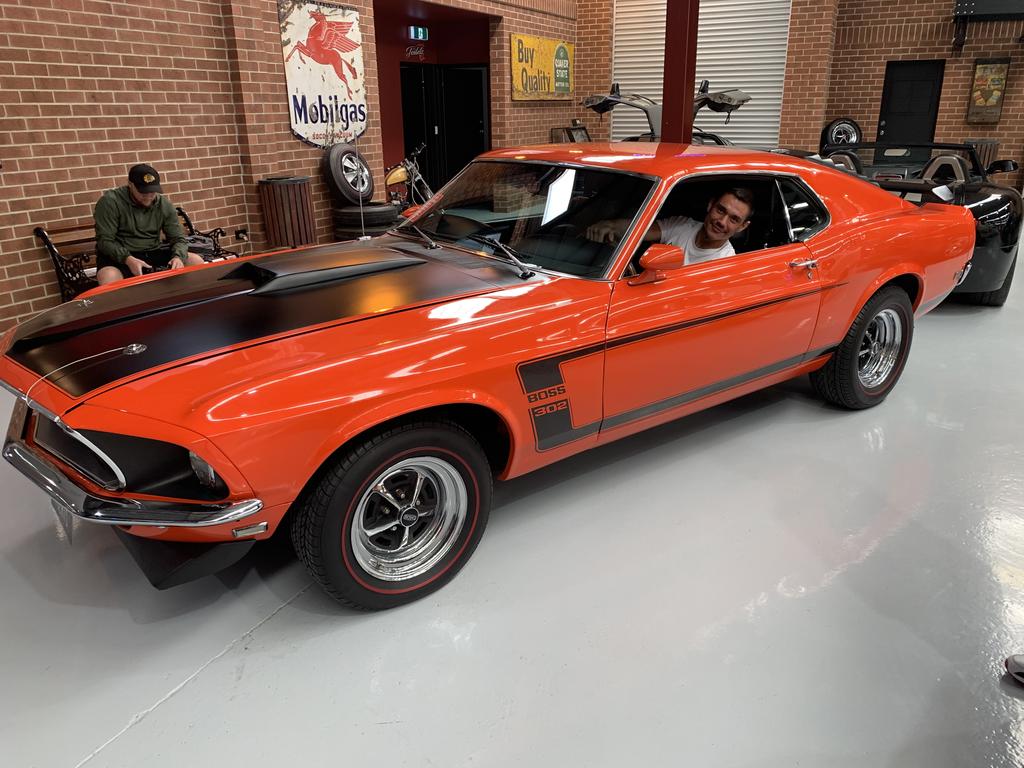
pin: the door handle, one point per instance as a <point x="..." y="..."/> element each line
<point x="808" y="264"/>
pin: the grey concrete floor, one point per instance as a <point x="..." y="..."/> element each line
<point x="770" y="583"/>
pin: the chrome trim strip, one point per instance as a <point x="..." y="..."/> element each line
<point x="785" y="210"/>
<point x="967" y="271"/>
<point x="95" y="509"/>
<point x="122" y="481"/>
<point x="250" y="530"/>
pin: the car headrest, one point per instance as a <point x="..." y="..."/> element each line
<point x="945" y="168"/>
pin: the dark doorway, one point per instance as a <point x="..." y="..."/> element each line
<point x="910" y="101"/>
<point x="445" y="106"/>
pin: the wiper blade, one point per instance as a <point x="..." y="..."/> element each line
<point x="423" y="235"/>
<point x="524" y="271"/>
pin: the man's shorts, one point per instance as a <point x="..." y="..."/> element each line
<point x="157" y="258"/>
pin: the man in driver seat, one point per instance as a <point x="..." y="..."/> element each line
<point x="728" y="215"/>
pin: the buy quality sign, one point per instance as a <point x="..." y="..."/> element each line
<point x="542" y="68"/>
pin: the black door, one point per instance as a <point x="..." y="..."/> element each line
<point x="447" y="108"/>
<point x="421" y="118"/>
<point x="465" y="126"/>
<point x="910" y="101"/>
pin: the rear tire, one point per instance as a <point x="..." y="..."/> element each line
<point x="869" y="361"/>
<point x="997" y="297"/>
<point x="395" y="518"/>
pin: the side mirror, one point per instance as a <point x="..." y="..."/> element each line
<point x="659" y="259"/>
<point x="1002" y="166"/>
<point x="411" y="211"/>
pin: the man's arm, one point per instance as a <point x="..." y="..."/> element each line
<point x="105" y="216"/>
<point x="612" y="230"/>
<point x="173" y="232"/>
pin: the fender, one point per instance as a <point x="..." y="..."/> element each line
<point x="396" y="408"/>
<point x="900" y="270"/>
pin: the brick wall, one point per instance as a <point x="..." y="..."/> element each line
<point x="87" y="88"/>
<point x="196" y="88"/>
<point x="869" y="33"/>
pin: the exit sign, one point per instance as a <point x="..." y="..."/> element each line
<point x="419" y="33"/>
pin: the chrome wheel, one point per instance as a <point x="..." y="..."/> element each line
<point x="355" y="173"/>
<point x="880" y="349"/>
<point x="409" y="518"/>
<point x="844" y="134"/>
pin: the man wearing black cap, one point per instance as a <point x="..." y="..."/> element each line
<point x="129" y="221"/>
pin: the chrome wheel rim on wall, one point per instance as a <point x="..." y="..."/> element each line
<point x="844" y="134"/>
<point x="409" y="518"/>
<point x="355" y="173"/>
<point x="880" y="349"/>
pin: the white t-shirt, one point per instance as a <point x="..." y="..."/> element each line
<point x="682" y="231"/>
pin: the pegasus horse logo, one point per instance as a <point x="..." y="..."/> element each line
<point x="325" y="44"/>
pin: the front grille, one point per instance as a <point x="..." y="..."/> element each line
<point x="74" y="453"/>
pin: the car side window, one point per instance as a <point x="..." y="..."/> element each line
<point x="805" y="215"/>
<point x="767" y="227"/>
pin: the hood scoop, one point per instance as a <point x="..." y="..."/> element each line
<point x="289" y="272"/>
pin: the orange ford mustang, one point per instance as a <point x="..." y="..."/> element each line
<point x="364" y="394"/>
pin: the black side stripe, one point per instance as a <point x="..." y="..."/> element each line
<point x="712" y="389"/>
<point x="552" y="425"/>
<point x="544" y="373"/>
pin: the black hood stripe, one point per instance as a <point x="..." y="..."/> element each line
<point x="201" y="311"/>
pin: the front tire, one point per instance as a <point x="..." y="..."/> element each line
<point x="869" y="361"/>
<point x="395" y="518"/>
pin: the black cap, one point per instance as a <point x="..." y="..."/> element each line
<point x="145" y="178"/>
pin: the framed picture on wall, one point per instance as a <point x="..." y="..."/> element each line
<point x="987" y="89"/>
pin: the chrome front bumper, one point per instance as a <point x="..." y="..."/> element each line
<point x="113" y="511"/>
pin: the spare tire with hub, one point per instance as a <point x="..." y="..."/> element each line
<point x="347" y="174"/>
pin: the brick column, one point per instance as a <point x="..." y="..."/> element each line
<point x="594" y="61"/>
<point x="812" y="33"/>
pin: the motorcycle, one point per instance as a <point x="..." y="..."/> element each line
<point x="405" y="184"/>
<point x="719" y="101"/>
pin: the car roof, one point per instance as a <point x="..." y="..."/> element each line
<point x="651" y="158"/>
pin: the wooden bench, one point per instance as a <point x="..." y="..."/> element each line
<point x="73" y="252"/>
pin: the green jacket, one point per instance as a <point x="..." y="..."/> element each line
<point x="124" y="228"/>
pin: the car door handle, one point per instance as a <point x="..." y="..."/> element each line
<point x="808" y="264"/>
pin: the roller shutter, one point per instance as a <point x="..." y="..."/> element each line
<point x="740" y="44"/>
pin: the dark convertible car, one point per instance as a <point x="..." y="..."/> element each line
<point x="953" y="174"/>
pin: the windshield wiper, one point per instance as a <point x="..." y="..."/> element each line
<point x="524" y="271"/>
<point x="423" y="235"/>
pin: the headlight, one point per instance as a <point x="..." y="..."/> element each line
<point x="203" y="470"/>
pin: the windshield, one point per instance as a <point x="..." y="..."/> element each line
<point x="540" y="210"/>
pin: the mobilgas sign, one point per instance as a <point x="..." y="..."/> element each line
<point x="542" y="68"/>
<point x="323" y="63"/>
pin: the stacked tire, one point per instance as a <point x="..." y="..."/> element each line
<point x="369" y="219"/>
<point x="350" y="181"/>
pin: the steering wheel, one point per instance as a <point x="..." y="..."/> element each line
<point x="561" y="231"/>
<point x="462" y="226"/>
